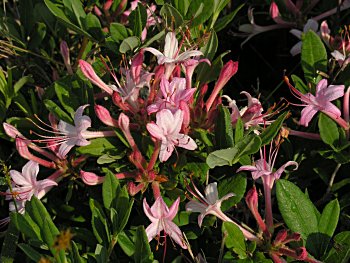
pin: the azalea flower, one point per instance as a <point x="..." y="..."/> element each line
<point x="321" y="101"/>
<point x="167" y="130"/>
<point x="161" y="217"/>
<point x="171" y="54"/>
<point x="211" y="204"/>
<point x="67" y="135"/>
<point x="25" y="185"/>
<point x="251" y="115"/>
<point x="173" y="94"/>
<point x="310" y="25"/>
<point x="208" y="204"/>
<point x="264" y="168"/>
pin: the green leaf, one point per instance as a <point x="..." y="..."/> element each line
<point x="248" y="145"/>
<point x="239" y="130"/>
<point x="214" y="70"/>
<point x="329" y="218"/>
<point x="296" y="208"/>
<point x="37" y="35"/>
<point x="30" y="252"/>
<point x="26" y="225"/>
<point x="110" y="189"/>
<point x="9" y="244"/>
<point x="234" y="184"/>
<point x="118" y="32"/>
<point x="76" y="256"/>
<point x="223" y="128"/>
<point x="182" y="6"/>
<point x="234" y="238"/>
<point x="270" y="132"/>
<point x="299" y="84"/>
<point x="209" y="50"/>
<point x="328" y="130"/>
<point x="93" y="26"/>
<point x="21" y="82"/>
<point x="126" y="244"/>
<point x="99" y="146"/>
<point x="22" y="103"/>
<point x="61" y="16"/>
<point x="171" y="16"/>
<point x="99" y="223"/>
<point x="340" y="253"/>
<point x="224" y="21"/>
<point x="129" y="44"/>
<point x="57" y="111"/>
<point x="313" y="56"/>
<point x="137" y="20"/>
<point x="101" y="254"/>
<point x="199" y="11"/>
<point x="143" y="253"/>
<point x="68" y="99"/>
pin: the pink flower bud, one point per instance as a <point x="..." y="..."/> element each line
<point x="97" y="11"/>
<point x="89" y="72"/>
<point x="134" y="189"/>
<point x="11" y="131"/>
<point x="91" y="178"/>
<point x="65" y="55"/>
<point x="280" y="237"/>
<point x="229" y="70"/>
<point x="105" y="117"/>
<point x="107" y="5"/>
<point x="136" y="66"/>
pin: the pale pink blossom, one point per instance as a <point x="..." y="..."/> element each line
<point x="321" y="101"/>
<point x="172" y="94"/>
<point x="161" y="217"/>
<point x="189" y="66"/>
<point x="167" y="130"/>
<point x="171" y="54"/>
<point x="25" y="185"/>
<point x="250" y="115"/>
<point x="211" y="204"/>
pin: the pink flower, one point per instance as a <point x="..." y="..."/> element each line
<point x="25" y="185"/>
<point x="161" y="217"/>
<point x="173" y="94"/>
<point x="167" y="130"/>
<point x="211" y="204"/>
<point x="67" y="135"/>
<point x="171" y="54"/>
<point x="208" y="204"/>
<point x="320" y="102"/>
<point x="251" y="115"/>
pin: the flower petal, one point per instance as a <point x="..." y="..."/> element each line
<point x="211" y="193"/>
<point x="307" y="114"/>
<point x="65" y="147"/>
<point x="153" y="229"/>
<point x="148" y="211"/>
<point x="187" y="54"/>
<point x="195" y="206"/>
<point x="19" y="179"/>
<point x="166" y="149"/>
<point x="171" y="45"/>
<point x="30" y="171"/>
<point x="184" y="141"/>
<point x="155" y="131"/>
<point x="278" y="173"/>
<point x="174" y="232"/>
<point x="173" y="209"/>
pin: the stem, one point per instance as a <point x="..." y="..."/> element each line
<point x="342" y="123"/>
<point x="306" y="135"/>
<point x="222" y="248"/>
<point x="81" y="51"/>
<point x="330" y="184"/>
<point x="332" y="11"/>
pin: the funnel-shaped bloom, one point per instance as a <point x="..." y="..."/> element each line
<point x="25" y="185"/>
<point x="173" y="94"/>
<point x="208" y="204"/>
<point x="321" y="101"/>
<point x="161" y="217"/>
<point x="171" y="54"/>
<point x="167" y="130"/>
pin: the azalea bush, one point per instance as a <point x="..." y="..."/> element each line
<point x="128" y="133"/>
